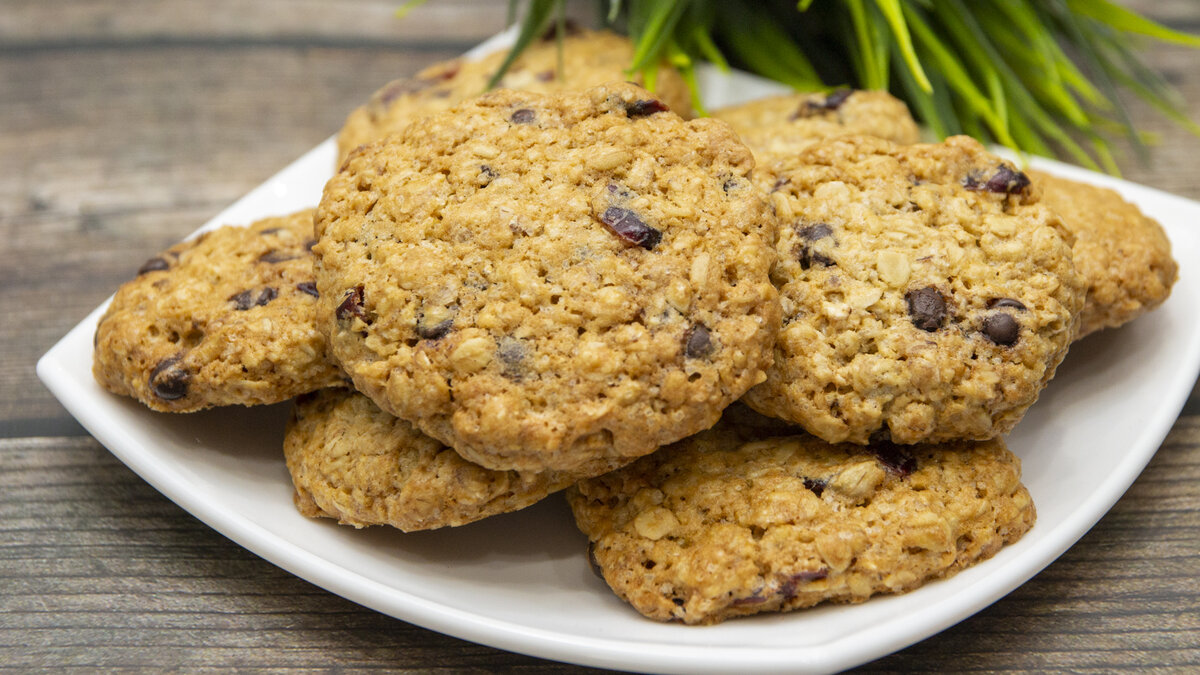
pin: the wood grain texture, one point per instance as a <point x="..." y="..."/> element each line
<point x="125" y="124"/>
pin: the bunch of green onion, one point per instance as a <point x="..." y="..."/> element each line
<point x="1048" y="77"/>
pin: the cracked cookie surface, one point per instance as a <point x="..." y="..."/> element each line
<point x="926" y="294"/>
<point x="733" y="521"/>
<point x="352" y="462"/>
<point x="1122" y="254"/>
<point x="550" y="281"/>
<point x="227" y="318"/>
<point x="589" y="59"/>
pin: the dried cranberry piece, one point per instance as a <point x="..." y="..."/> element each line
<point x="644" y="107"/>
<point x="926" y="307"/>
<point x="1004" y="181"/>
<point x="697" y="341"/>
<point x="788" y="588"/>
<point x="169" y="381"/>
<point x="626" y="225"/>
<point x="153" y="265"/>
<point x="1001" y="329"/>
<point x="894" y="458"/>
<point x="832" y="102"/>
<point x="351" y="305"/>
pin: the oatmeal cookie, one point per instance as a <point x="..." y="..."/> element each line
<point x="546" y="281"/>
<point x="780" y="126"/>
<point x="589" y="58"/>
<point x="927" y="295"/>
<point x="227" y="318"/>
<point x="1122" y="254"/>
<point x="729" y="523"/>
<point x="353" y="462"/>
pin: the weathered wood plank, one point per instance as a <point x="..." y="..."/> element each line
<point x="99" y="570"/>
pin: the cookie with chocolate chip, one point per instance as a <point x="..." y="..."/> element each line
<point x="352" y="462"/>
<point x="927" y="295"/>
<point x="739" y="521"/>
<point x="777" y="127"/>
<point x="1122" y="254"/>
<point x="549" y="282"/>
<point x="587" y="59"/>
<point x="227" y="318"/>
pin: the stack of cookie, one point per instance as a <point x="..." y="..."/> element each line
<point x="771" y="359"/>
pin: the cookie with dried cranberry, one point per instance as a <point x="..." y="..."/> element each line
<point x="353" y="462"/>
<point x="227" y="318"/>
<point x="735" y="521"/>
<point x="926" y="294"/>
<point x="548" y="282"/>
<point x="780" y="126"/>
<point x="1122" y="254"/>
<point x="588" y="59"/>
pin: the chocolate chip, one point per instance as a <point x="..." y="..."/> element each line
<point x="644" y="107"/>
<point x="816" y="485"/>
<point x="896" y="459"/>
<point x="268" y="294"/>
<point x="276" y="257"/>
<point x="511" y="352"/>
<point x="242" y="301"/>
<point x="808" y="258"/>
<point x="1001" y="329"/>
<point x="697" y="342"/>
<point x="522" y="116"/>
<point x="309" y="287"/>
<point x="1004" y="181"/>
<point x="169" y="381"/>
<point x="815" y="232"/>
<point x="246" y="299"/>
<point x="153" y="265"/>
<point x="592" y="561"/>
<point x="436" y="331"/>
<point x="626" y="225"/>
<point x="926" y="307"/>
<point x="1005" y="302"/>
<point x="351" y="305"/>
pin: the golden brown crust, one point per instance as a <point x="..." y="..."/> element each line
<point x="589" y="58"/>
<point x="730" y="523"/>
<point x="927" y="296"/>
<point x="1122" y="254"/>
<point x="228" y="318"/>
<point x="548" y="281"/>
<point x="353" y="462"/>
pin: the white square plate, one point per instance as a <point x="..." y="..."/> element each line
<point x="521" y="582"/>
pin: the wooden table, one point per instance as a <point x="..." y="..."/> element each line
<point x="125" y="124"/>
